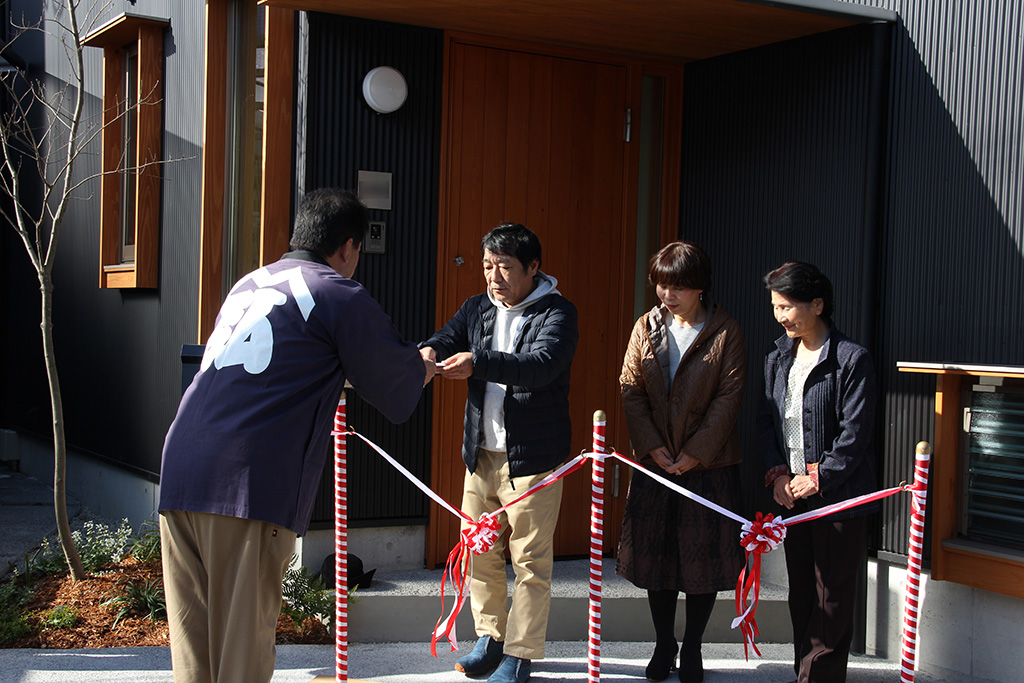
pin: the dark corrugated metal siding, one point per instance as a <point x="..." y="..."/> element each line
<point x="345" y="136"/>
<point x="954" y="248"/>
<point x="776" y="167"/>
<point x="118" y="351"/>
<point x="781" y="162"/>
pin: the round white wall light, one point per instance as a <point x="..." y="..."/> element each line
<point x="384" y="89"/>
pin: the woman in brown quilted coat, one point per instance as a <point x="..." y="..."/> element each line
<point x="682" y="384"/>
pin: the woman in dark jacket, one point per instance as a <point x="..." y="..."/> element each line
<point x="815" y="429"/>
<point x="682" y="385"/>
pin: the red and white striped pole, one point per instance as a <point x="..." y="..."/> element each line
<point x="596" y="549"/>
<point x="340" y="546"/>
<point x="912" y="602"/>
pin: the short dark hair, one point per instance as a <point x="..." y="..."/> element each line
<point x="802" y="282"/>
<point x="681" y="264"/>
<point x="328" y="218"/>
<point x="513" y="239"/>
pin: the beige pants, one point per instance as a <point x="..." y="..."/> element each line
<point x="523" y="626"/>
<point x="222" y="579"/>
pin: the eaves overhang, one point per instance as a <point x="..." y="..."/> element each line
<point x="677" y="30"/>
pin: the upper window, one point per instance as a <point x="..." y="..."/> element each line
<point x="993" y="483"/>
<point x="129" y="159"/>
<point x="132" y="132"/>
<point x="977" y="473"/>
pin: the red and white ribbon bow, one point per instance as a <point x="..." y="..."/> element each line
<point x="477" y="538"/>
<point x="760" y="536"/>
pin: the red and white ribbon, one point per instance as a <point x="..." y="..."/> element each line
<point x="759" y="536"/>
<point x="762" y="535"/>
<point x="412" y="478"/>
<point x="846" y="504"/>
<point x="477" y="538"/>
<point x="672" y="485"/>
<point x="458" y="568"/>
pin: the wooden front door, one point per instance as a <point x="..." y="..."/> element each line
<point x="540" y="140"/>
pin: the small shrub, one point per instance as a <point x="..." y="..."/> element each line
<point x="100" y="546"/>
<point x="146" y="546"/>
<point x="14" y="627"/>
<point x="306" y="596"/>
<point x="46" y="560"/>
<point x="14" y="622"/>
<point x="147" y="599"/>
<point x="61" y="616"/>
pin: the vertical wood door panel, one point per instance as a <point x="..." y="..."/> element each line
<point x="538" y="140"/>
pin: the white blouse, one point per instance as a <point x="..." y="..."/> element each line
<point x="680" y="339"/>
<point x="793" y="424"/>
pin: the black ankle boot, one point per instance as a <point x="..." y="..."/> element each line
<point x="691" y="666"/>
<point x="662" y="660"/>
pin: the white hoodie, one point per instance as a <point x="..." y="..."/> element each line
<point x="506" y="329"/>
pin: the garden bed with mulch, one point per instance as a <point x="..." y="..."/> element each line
<point x="63" y="613"/>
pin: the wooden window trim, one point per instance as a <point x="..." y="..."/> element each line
<point x="278" y="102"/>
<point x="970" y="563"/>
<point x="147" y="34"/>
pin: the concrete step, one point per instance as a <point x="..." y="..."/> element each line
<point x="403" y="607"/>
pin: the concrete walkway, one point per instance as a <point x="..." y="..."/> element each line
<point x="412" y="663"/>
<point x="26" y="517"/>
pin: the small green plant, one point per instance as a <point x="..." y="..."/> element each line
<point x="306" y="596"/>
<point x="147" y="599"/>
<point x="147" y="544"/>
<point x="45" y="560"/>
<point x="61" y="616"/>
<point x="98" y="545"/>
<point x="14" y="622"/>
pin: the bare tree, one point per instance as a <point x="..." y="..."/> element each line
<point x="41" y="137"/>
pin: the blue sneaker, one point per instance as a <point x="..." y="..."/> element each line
<point x="511" y="670"/>
<point x="484" y="657"/>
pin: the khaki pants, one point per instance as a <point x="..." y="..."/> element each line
<point x="522" y="627"/>
<point x="222" y="579"/>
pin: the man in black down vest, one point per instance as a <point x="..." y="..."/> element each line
<point x="514" y="345"/>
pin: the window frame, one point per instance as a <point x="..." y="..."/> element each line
<point x="969" y="562"/>
<point x="128" y="162"/>
<point x="145" y="35"/>
<point x="277" y="171"/>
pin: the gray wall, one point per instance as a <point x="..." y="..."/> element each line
<point x="117" y="350"/>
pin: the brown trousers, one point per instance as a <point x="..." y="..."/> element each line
<point x="222" y="579"/>
<point x="523" y="626"/>
<point x="823" y="560"/>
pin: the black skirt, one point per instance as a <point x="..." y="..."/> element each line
<point x="670" y="542"/>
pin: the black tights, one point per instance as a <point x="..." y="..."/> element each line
<point x="663" y="612"/>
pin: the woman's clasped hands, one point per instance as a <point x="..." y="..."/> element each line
<point x="788" y="489"/>
<point x="678" y="465"/>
